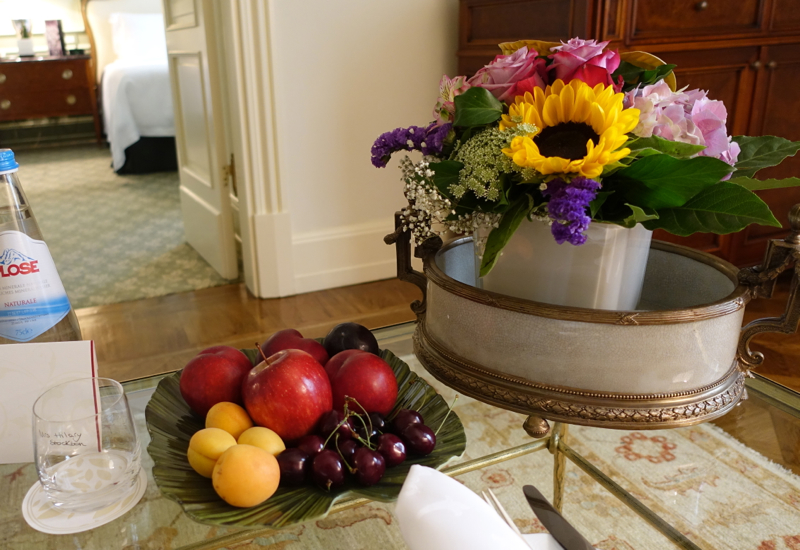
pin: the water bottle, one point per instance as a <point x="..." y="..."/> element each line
<point x="33" y="303"/>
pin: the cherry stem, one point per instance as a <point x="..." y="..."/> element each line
<point x="366" y="443"/>
<point x="453" y="404"/>
<point x="339" y="425"/>
<point x="338" y="450"/>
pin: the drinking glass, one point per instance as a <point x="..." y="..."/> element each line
<point x="85" y="446"/>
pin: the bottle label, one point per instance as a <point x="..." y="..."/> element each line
<point x="32" y="297"/>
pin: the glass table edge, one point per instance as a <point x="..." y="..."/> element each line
<point x="774" y="393"/>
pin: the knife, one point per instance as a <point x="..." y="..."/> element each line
<point x="561" y="530"/>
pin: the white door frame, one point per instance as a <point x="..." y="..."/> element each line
<point x="264" y="219"/>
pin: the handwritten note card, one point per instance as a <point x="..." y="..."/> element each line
<point x="26" y="371"/>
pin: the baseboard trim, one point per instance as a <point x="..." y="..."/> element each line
<point x="342" y="256"/>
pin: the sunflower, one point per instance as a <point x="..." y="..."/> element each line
<point x="580" y="129"/>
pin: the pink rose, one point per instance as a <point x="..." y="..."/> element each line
<point x="586" y="61"/>
<point x="508" y="74"/>
<point x="445" y="108"/>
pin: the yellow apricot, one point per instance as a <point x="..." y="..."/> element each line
<point x="229" y="417"/>
<point x="263" y="438"/>
<point x="205" y="448"/>
<point x="245" y="476"/>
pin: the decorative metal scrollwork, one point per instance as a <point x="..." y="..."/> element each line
<point x="402" y="241"/>
<point x="761" y="279"/>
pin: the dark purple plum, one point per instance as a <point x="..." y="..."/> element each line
<point x="404" y="418"/>
<point x="392" y="448"/>
<point x="328" y="469"/>
<point x="312" y="445"/>
<point x="294" y="465"/>
<point x="350" y="336"/>
<point x="370" y="466"/>
<point x="419" y="439"/>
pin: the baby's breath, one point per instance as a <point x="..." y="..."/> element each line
<point x="428" y="210"/>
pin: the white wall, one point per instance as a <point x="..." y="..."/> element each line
<point x="345" y="71"/>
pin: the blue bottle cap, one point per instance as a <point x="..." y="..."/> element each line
<point x="7" y="162"/>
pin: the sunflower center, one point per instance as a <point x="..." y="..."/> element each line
<point x="566" y="140"/>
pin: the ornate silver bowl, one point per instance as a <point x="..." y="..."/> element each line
<point x="680" y="359"/>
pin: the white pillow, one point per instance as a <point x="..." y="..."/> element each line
<point x="138" y="37"/>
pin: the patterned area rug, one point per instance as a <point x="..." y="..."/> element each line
<point x="702" y="481"/>
<point x="113" y="238"/>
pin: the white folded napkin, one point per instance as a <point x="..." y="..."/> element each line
<point x="436" y="511"/>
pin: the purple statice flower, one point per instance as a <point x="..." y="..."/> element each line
<point x="429" y="140"/>
<point x="567" y="208"/>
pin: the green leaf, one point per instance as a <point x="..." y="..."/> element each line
<point x="762" y="152"/>
<point x="672" y="148"/>
<point x="759" y="185"/>
<point x="639" y="215"/>
<point x="611" y="168"/>
<point x="445" y="174"/>
<point x="500" y="235"/>
<point x="600" y="198"/>
<point x="662" y="181"/>
<point x="722" y="208"/>
<point x="634" y="75"/>
<point x="477" y="107"/>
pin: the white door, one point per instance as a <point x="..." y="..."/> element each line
<point x="199" y="132"/>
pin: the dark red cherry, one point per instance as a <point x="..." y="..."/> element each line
<point x="348" y="448"/>
<point x="328" y="423"/>
<point x="419" y="439"/>
<point x="404" y="418"/>
<point x="378" y="422"/>
<point x="392" y="448"/>
<point x="328" y="470"/>
<point x="370" y="466"/>
<point x="294" y="465"/>
<point x="312" y="445"/>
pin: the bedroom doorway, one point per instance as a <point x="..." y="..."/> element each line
<point x="200" y="133"/>
<point x="119" y="236"/>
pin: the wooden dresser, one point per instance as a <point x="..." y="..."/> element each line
<point x="745" y="53"/>
<point x="39" y="87"/>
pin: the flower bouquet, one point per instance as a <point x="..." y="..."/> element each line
<point x="572" y="134"/>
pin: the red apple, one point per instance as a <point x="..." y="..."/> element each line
<point x="290" y="338"/>
<point x="288" y="393"/>
<point x="214" y="375"/>
<point x="369" y="380"/>
<point x="335" y="363"/>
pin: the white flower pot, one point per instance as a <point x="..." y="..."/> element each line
<point x="25" y="46"/>
<point x="606" y="272"/>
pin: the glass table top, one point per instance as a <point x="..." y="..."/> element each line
<point x="732" y="483"/>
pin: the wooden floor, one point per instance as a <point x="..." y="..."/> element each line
<point x="136" y="339"/>
<point x="146" y="337"/>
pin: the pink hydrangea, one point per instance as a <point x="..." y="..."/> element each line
<point x="511" y="75"/>
<point x="445" y="108"/>
<point x="586" y="61"/>
<point x="687" y="116"/>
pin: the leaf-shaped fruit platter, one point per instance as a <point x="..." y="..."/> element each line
<point x="171" y="424"/>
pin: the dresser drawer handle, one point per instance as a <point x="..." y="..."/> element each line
<point x="700" y="6"/>
<point x="67" y="74"/>
<point x="71" y="99"/>
<point x="5" y="104"/>
<point x="2" y="78"/>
